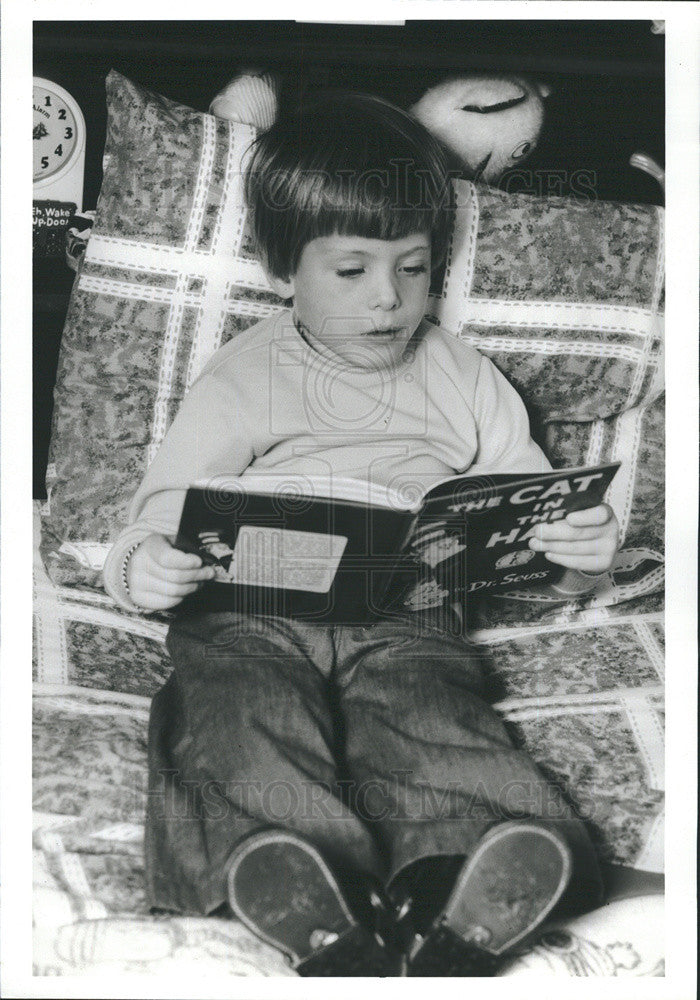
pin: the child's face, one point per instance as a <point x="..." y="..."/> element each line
<point x="361" y="298"/>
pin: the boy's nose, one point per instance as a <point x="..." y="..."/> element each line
<point x="385" y="294"/>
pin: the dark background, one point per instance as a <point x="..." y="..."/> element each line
<point x="607" y="101"/>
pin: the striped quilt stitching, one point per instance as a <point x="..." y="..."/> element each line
<point x="174" y="326"/>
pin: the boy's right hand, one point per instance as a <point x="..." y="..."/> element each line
<point x="160" y="576"/>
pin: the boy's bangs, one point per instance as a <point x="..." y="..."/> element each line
<point x="375" y="215"/>
<point x="348" y="164"/>
<point x="381" y="204"/>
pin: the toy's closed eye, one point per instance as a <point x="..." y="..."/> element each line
<point x="559" y="941"/>
<point x="522" y="149"/>
<point x="487" y="109"/>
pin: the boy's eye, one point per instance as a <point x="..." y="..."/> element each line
<point x="353" y="272"/>
<point x="349" y="272"/>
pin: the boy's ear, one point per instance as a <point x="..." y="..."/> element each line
<point x="283" y="288"/>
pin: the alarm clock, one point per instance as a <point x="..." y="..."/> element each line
<point x="58" y="139"/>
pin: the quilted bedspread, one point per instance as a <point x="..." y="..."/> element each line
<point x="566" y="297"/>
<point x="583" y="692"/>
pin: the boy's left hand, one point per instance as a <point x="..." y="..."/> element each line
<point x="586" y="540"/>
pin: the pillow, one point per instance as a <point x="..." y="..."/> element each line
<point x="168" y="275"/>
<point x="563" y="296"/>
<point x="566" y="299"/>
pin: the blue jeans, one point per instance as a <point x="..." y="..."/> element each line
<point x="375" y="742"/>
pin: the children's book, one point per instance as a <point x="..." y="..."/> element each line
<point x="343" y="550"/>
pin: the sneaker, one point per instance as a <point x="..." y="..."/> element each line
<point x="281" y="888"/>
<point x="503" y="892"/>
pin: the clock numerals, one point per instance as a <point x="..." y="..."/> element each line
<point x="58" y="134"/>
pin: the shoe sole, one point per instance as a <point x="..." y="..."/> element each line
<point x="510" y="884"/>
<point x="281" y="888"/>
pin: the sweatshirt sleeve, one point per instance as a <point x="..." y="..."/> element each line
<point x="503" y="428"/>
<point x="504" y="445"/>
<point x="209" y="437"/>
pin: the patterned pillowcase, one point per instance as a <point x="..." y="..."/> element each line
<point x="168" y="275"/>
<point x="563" y="296"/>
<point x="566" y="299"/>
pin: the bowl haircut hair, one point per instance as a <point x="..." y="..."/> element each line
<point x="345" y="163"/>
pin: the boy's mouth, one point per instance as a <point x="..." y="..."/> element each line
<point x="388" y="333"/>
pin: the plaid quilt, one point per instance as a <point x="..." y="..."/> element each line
<point x="584" y="697"/>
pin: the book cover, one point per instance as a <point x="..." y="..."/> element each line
<point x="301" y="556"/>
<point x="280" y="546"/>
<point x="474" y="534"/>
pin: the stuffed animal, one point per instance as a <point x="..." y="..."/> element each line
<point x="488" y="123"/>
<point x="251" y="97"/>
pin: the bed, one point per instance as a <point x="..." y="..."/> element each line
<point x="566" y="296"/>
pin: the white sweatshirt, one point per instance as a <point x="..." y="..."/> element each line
<point x="268" y="402"/>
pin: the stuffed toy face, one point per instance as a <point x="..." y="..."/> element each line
<point x="489" y="123"/>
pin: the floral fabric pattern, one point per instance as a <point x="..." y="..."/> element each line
<point x="595" y="685"/>
<point x="564" y="296"/>
<point x="594" y="728"/>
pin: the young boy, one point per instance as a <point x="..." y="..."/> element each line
<point x="344" y="789"/>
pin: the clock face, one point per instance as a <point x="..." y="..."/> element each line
<point x="55" y="133"/>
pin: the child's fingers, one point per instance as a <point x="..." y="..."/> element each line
<point x="585" y="546"/>
<point x="165" y="588"/>
<point x="561" y="531"/>
<point x="157" y="594"/>
<point x="159" y="575"/>
<point x="591" y="515"/>
<point x="178" y="578"/>
<point x="167" y="556"/>
<point x="150" y="601"/>
<point x="150" y="569"/>
<point x="585" y="563"/>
